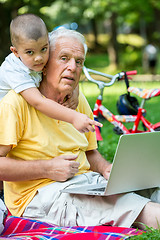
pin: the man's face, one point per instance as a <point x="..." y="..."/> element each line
<point x="65" y="64"/>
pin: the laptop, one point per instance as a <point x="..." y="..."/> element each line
<point x="136" y="166"/>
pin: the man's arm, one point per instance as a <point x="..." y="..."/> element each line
<point x="59" y="168"/>
<point x="98" y="163"/>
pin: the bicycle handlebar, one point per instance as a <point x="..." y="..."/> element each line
<point x="102" y="84"/>
<point x="134" y="72"/>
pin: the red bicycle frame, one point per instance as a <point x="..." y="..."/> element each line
<point x="117" y="120"/>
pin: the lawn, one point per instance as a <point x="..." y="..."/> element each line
<point x="107" y="147"/>
<point x="130" y="60"/>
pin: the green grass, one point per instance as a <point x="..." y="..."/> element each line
<point x="107" y="147"/>
<point x="150" y="234"/>
<point x="130" y="55"/>
<point x="130" y="59"/>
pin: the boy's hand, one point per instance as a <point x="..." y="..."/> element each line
<point x="83" y="123"/>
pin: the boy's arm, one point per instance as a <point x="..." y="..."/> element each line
<point x="54" y="110"/>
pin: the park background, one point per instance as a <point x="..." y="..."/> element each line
<point x="116" y="31"/>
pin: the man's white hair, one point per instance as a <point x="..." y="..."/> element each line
<point x="63" y="32"/>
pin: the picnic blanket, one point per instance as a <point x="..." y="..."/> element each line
<point x="21" y="228"/>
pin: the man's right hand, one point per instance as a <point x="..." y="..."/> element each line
<point x="62" y="167"/>
<point x="59" y="168"/>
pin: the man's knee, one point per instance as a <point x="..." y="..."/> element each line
<point x="149" y="216"/>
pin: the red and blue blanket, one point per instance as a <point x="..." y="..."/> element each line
<point x="27" y="229"/>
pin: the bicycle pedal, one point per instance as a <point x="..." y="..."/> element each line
<point x="117" y="130"/>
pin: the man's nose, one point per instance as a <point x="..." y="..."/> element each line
<point x="72" y="64"/>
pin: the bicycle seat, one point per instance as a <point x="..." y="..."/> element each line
<point x="144" y="93"/>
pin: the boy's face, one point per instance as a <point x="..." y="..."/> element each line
<point x="34" y="54"/>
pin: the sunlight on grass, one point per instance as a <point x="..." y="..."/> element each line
<point x="130" y="53"/>
<point x="131" y="39"/>
<point x="103" y="39"/>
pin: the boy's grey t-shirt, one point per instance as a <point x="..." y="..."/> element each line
<point x="15" y="75"/>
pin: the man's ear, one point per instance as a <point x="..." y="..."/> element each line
<point x="14" y="50"/>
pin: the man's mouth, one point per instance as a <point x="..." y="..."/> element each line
<point x="69" y="78"/>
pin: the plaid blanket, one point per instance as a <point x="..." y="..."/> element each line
<point x="22" y="228"/>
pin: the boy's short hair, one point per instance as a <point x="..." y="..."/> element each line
<point x="28" y="25"/>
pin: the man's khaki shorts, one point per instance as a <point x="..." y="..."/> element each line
<point x="63" y="209"/>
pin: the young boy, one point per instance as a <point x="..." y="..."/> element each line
<point x="22" y="71"/>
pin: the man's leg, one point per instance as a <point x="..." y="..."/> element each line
<point x="149" y="216"/>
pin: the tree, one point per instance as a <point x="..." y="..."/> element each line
<point x="10" y="9"/>
<point x="141" y="16"/>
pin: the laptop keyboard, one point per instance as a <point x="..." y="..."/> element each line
<point x="97" y="189"/>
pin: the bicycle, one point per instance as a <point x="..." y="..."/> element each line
<point x="118" y="120"/>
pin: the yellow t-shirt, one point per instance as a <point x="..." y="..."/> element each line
<point x="36" y="136"/>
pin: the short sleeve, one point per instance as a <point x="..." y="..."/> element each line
<point x="11" y="121"/>
<point x="21" y="81"/>
<point x="15" y="75"/>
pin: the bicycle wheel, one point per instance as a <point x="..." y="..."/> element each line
<point x="157" y="129"/>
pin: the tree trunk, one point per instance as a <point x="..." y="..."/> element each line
<point x="95" y="32"/>
<point x="113" y="44"/>
<point x="4" y="30"/>
<point x="7" y="13"/>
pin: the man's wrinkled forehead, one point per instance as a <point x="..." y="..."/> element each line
<point x="69" y="46"/>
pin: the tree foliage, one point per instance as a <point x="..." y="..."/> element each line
<point x="105" y="16"/>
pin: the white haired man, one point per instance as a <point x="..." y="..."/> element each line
<point x="41" y="156"/>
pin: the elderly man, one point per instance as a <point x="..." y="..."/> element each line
<point x="41" y="156"/>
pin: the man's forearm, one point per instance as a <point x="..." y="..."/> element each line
<point x="98" y="163"/>
<point x="21" y="170"/>
<point x="59" y="168"/>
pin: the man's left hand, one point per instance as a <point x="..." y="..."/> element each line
<point x="72" y="101"/>
<point x="107" y="171"/>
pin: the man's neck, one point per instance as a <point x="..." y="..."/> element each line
<point x="52" y="93"/>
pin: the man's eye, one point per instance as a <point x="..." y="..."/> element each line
<point x="29" y="52"/>
<point x="44" y="49"/>
<point x="79" y="62"/>
<point x="64" y="58"/>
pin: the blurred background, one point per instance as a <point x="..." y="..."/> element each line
<point x="117" y="31"/>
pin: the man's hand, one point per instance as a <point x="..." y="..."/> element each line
<point x="107" y="171"/>
<point x="98" y="163"/>
<point x="72" y="101"/>
<point x="59" y="168"/>
<point x="62" y="168"/>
